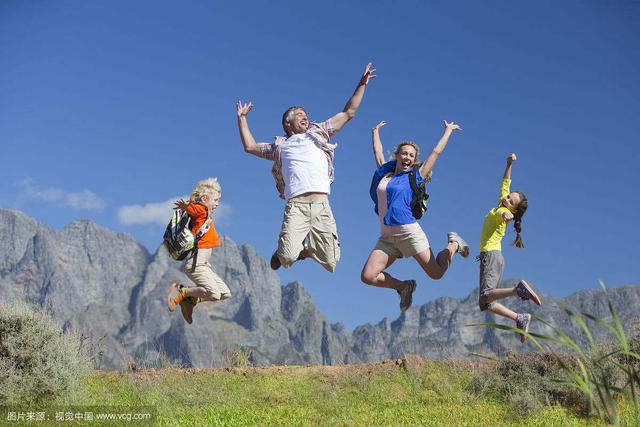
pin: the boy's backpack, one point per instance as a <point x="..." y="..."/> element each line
<point x="178" y="238"/>
<point x="420" y="196"/>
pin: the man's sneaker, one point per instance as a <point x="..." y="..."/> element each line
<point x="275" y="261"/>
<point x="186" y="307"/>
<point x="304" y="253"/>
<point x="175" y="289"/>
<point x="463" y="247"/>
<point x="406" y="294"/>
<point x="526" y="292"/>
<point x="522" y="322"/>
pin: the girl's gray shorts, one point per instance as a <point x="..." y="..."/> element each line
<point x="491" y="268"/>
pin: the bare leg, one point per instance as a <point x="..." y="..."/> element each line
<point x="373" y="274"/>
<point x="435" y="267"/>
<point x="503" y="311"/>
<point x="496" y="294"/>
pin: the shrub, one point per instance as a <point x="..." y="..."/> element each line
<point x="529" y="381"/>
<point x="37" y="361"/>
<point x="602" y="373"/>
<point x="239" y="357"/>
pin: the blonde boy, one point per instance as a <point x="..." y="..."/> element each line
<point x="204" y="199"/>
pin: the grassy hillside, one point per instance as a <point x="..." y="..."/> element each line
<point x="406" y="392"/>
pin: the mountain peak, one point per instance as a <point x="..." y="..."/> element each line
<point x="106" y="286"/>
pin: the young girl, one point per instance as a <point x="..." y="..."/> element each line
<point x="400" y="234"/>
<point x="209" y="286"/>
<point x="511" y="206"/>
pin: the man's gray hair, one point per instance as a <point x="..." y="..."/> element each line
<point x="288" y="116"/>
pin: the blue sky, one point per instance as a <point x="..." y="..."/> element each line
<point x="110" y="109"/>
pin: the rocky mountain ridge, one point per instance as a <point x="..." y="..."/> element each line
<point x="107" y="287"/>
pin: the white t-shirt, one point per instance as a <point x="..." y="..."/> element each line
<point x="304" y="166"/>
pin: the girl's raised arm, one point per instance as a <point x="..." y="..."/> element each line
<point x="507" y="172"/>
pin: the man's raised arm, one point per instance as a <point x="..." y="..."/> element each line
<point x="349" y="110"/>
<point x="248" y="142"/>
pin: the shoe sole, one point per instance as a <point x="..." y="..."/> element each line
<point x="534" y="295"/>
<point x="275" y="263"/>
<point x="413" y="284"/>
<point x="465" y="252"/>
<point x="171" y="304"/>
<point x="186" y="317"/>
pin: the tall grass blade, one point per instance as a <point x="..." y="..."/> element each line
<point x="582" y="324"/>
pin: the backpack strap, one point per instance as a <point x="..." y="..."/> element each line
<point x="413" y="181"/>
<point x="204" y="228"/>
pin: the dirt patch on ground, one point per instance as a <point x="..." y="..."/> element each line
<point x="411" y="364"/>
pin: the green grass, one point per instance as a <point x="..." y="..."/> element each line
<point x="426" y="393"/>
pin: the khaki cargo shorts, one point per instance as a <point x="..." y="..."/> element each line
<point x="403" y="245"/>
<point x="204" y="277"/>
<point x="315" y="220"/>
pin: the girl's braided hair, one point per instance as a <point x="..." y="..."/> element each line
<point x="517" y="217"/>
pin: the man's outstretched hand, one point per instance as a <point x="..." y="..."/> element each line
<point x="369" y="73"/>
<point x="242" y="110"/>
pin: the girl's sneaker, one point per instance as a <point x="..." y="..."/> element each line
<point x="522" y="322"/>
<point x="526" y="292"/>
<point x="463" y="247"/>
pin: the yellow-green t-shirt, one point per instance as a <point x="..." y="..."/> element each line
<point x="494" y="227"/>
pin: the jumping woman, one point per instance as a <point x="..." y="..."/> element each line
<point x="400" y="234"/>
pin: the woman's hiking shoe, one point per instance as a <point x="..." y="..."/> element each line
<point x="406" y="294"/>
<point x="463" y="247"/>
<point x="522" y="322"/>
<point x="526" y="292"/>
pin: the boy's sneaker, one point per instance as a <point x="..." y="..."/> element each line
<point x="186" y="307"/>
<point x="526" y="292"/>
<point x="406" y="294"/>
<point x="463" y="247"/>
<point x="175" y="289"/>
<point x="522" y="322"/>
<point x="275" y="261"/>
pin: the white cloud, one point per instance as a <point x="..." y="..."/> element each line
<point x="81" y="200"/>
<point x="223" y="214"/>
<point x="160" y="212"/>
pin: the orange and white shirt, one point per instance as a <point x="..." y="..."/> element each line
<point x="199" y="215"/>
